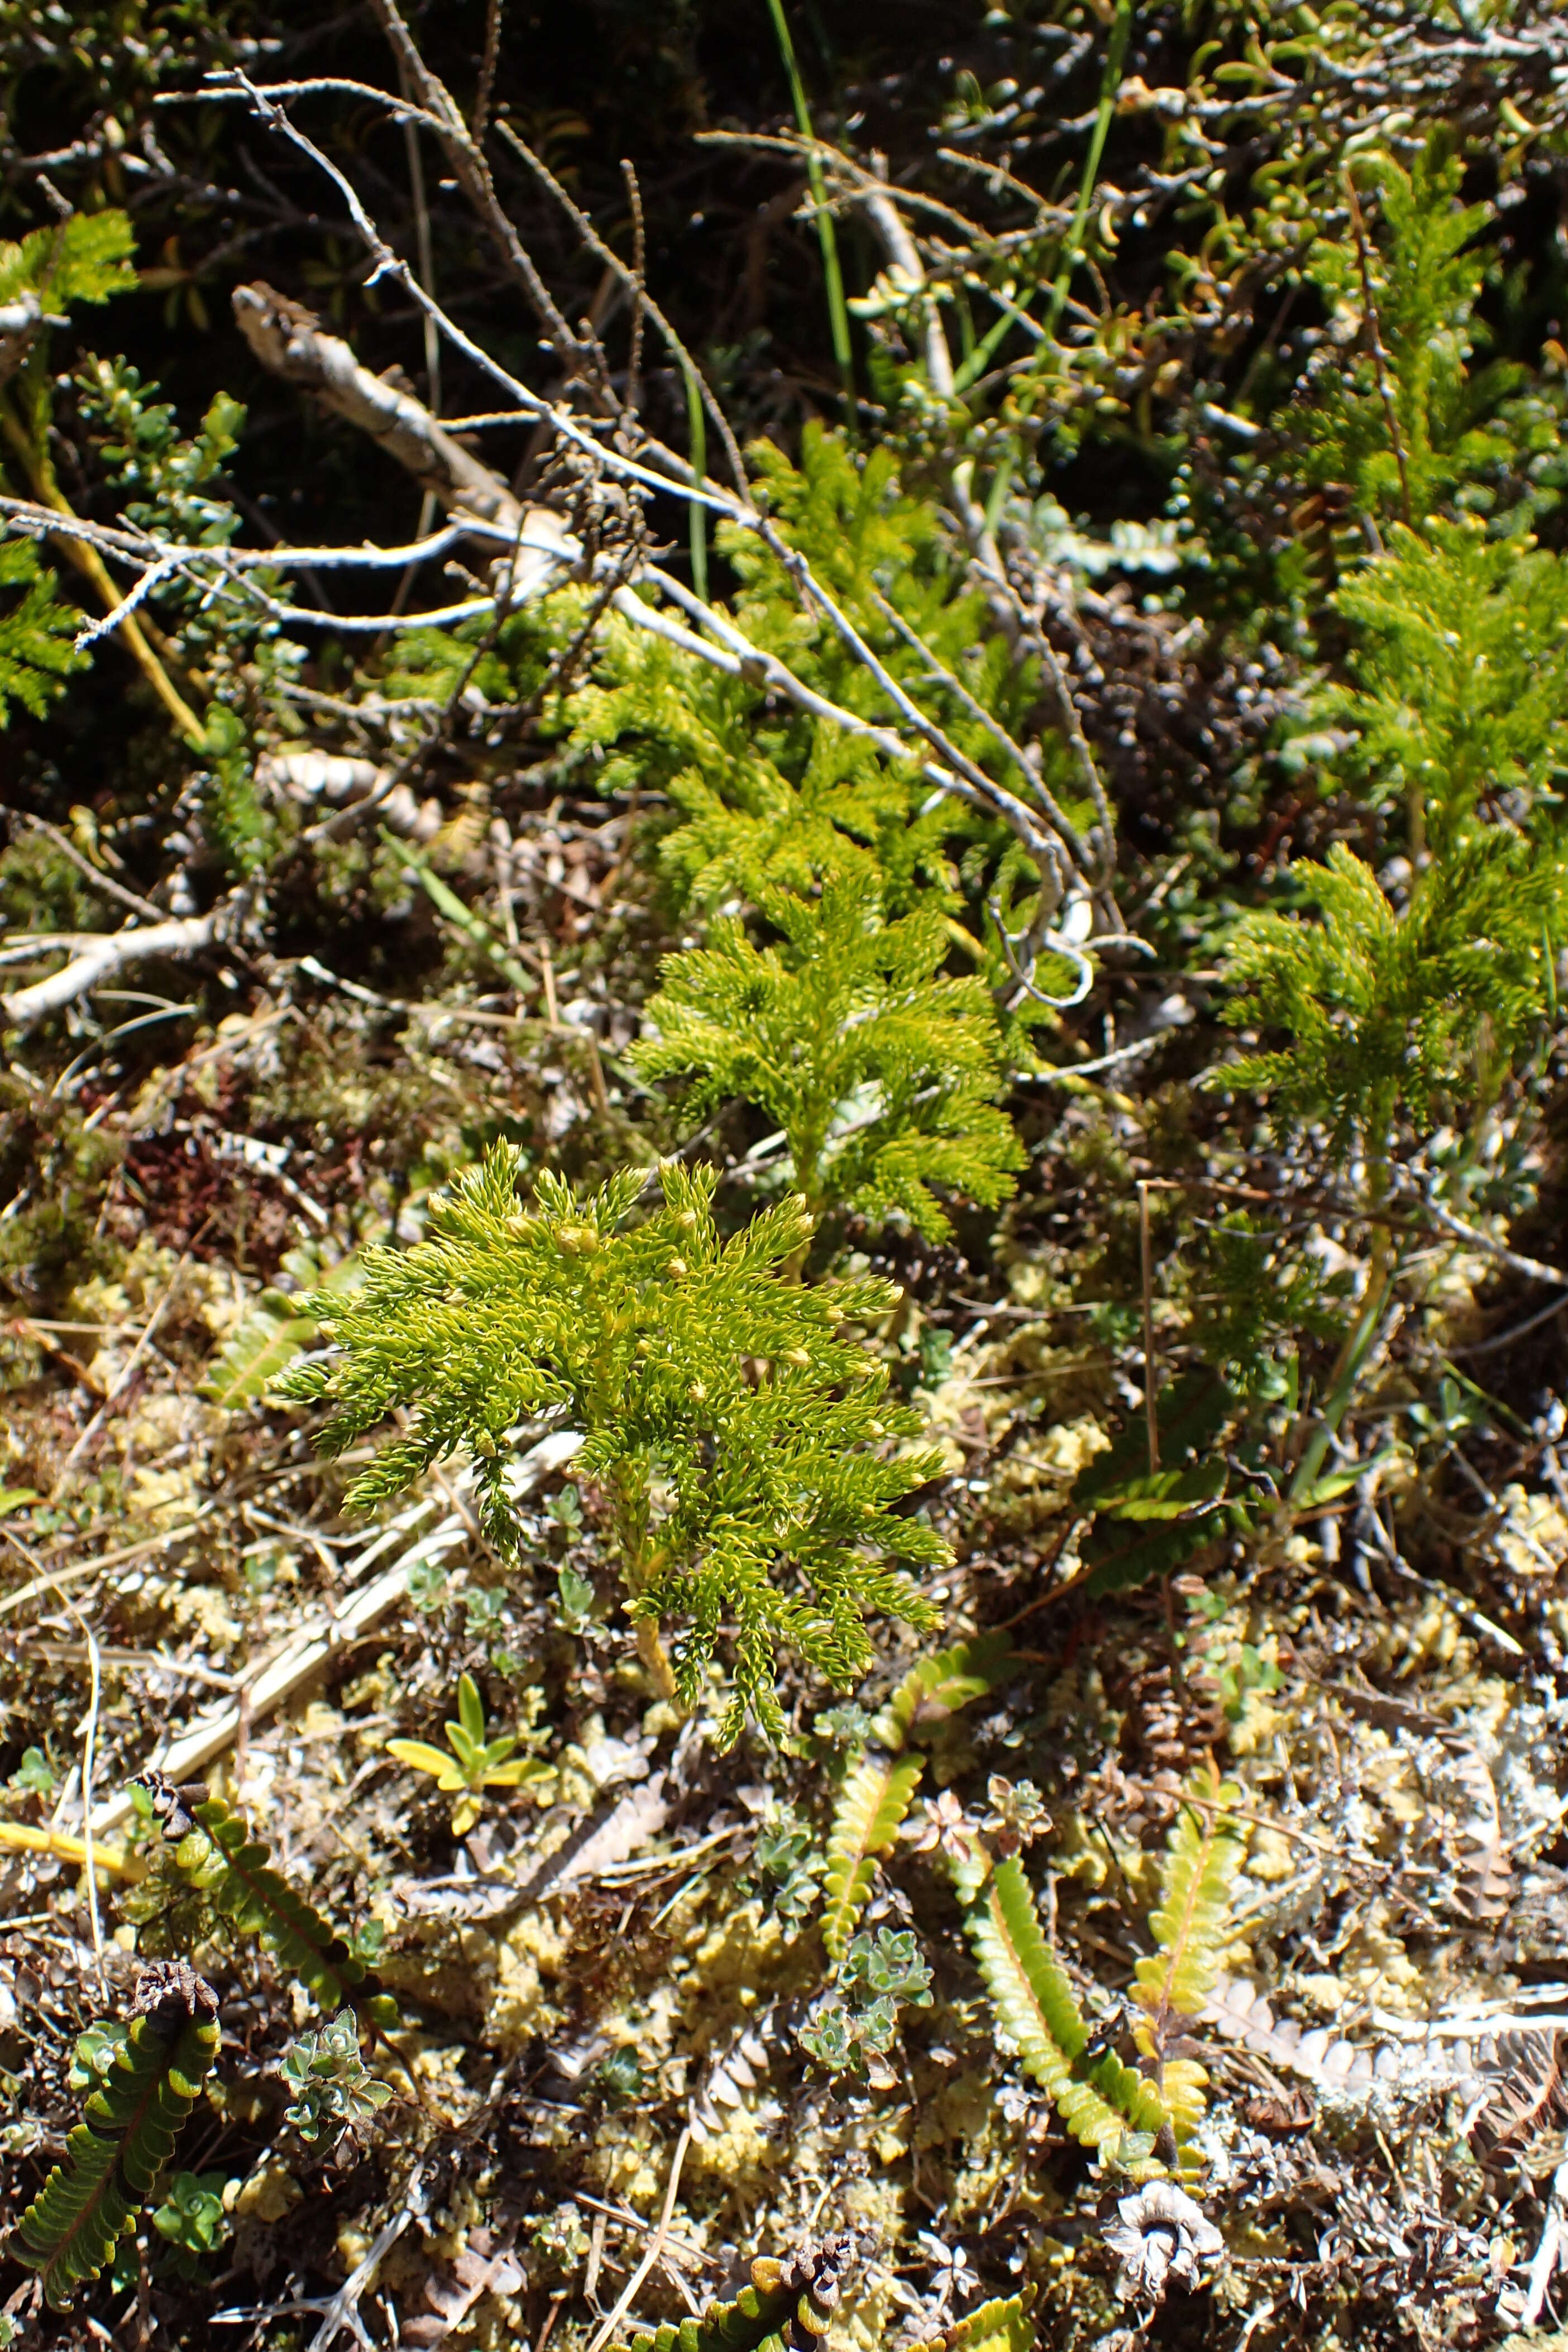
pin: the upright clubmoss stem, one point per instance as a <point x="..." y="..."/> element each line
<point x="632" y="1531"/>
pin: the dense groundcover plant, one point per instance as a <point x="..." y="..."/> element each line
<point x="781" y="956"/>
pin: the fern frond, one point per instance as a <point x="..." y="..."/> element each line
<point x="1100" y="2100"/>
<point x="873" y="1804"/>
<point x="115" y="2155"/>
<point x="1190" y="1926"/>
<point x="876" y="1793"/>
<point x="1003" y="2324"/>
<point x="1205" y="1850"/>
<point x="231" y="1867"/>
<point x="786" y="2308"/>
<point x="935" y="1688"/>
<point x="1147" y="1522"/>
<point x="276" y="1329"/>
<point x="258" y="1351"/>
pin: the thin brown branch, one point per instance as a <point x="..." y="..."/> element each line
<point x="612" y="261"/>
<point x="494" y="11"/>
<point x="1374" y="338"/>
<point x="472" y="173"/>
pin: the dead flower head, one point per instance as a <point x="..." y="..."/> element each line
<point x="941" y="1822"/>
<point x="1159" y="2236"/>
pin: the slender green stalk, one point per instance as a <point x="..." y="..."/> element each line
<point x="696" y="430"/>
<point x="978" y="358"/>
<point x="1110" y="83"/>
<point x="1358" y="1347"/>
<point x="837" y="308"/>
<point x="447" y="903"/>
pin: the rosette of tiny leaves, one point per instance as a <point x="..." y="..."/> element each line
<point x="787" y="1855"/>
<point x="740" y="1431"/>
<point x="470" y="1762"/>
<point x="333" y="2088"/>
<point x="879" y="1974"/>
<point x="192" y="2221"/>
<point x="890" y="1964"/>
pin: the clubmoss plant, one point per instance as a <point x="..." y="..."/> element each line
<point x="741" y="1436"/>
<point x="880" y="1072"/>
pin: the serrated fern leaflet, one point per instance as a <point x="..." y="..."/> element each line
<point x="876" y="1793"/>
<point x="1190" y="1926"/>
<point x="876" y="1796"/>
<point x="115" y="2155"/>
<point x="787" y="2306"/>
<point x="1003" y="2324"/>
<point x="1100" y="2100"/>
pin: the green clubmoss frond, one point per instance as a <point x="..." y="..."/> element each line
<point x="741" y="1428"/>
<point x="881" y="1073"/>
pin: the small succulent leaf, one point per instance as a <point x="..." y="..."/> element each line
<point x="470" y="1710"/>
<point x="422" y="1758"/>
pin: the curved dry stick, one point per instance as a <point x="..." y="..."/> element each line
<point x="288" y="341"/>
<point x="99" y="956"/>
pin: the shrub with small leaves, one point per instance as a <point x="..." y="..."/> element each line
<point x="333" y="2089"/>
